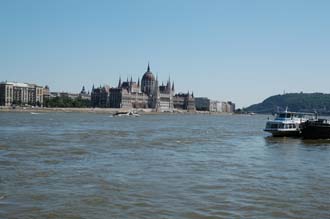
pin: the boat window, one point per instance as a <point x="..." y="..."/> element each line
<point x="274" y="126"/>
<point x="286" y="115"/>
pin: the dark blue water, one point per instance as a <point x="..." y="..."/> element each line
<point x="79" y="165"/>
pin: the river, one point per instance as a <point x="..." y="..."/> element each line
<point x="86" y="165"/>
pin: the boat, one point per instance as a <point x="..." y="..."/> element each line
<point x="34" y="113"/>
<point x="287" y="123"/>
<point x="316" y="129"/>
<point x="121" y="113"/>
<point x="133" y="114"/>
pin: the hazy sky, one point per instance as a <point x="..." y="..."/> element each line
<point x="242" y="51"/>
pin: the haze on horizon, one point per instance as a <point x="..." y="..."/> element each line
<point x="243" y="51"/>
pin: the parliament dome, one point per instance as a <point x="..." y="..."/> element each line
<point x="148" y="82"/>
<point x="148" y="76"/>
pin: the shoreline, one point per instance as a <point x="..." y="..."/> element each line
<point x="105" y="111"/>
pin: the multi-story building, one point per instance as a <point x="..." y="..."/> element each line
<point x="13" y="93"/>
<point x="230" y="107"/>
<point x="46" y="92"/>
<point x="205" y="104"/>
<point x="130" y="94"/>
<point x="222" y="106"/>
<point x="217" y="106"/>
<point x="202" y="103"/>
<point x="185" y="101"/>
<point x="100" y="97"/>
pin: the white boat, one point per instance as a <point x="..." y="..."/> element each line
<point x="133" y="114"/>
<point x="287" y="123"/>
<point x="120" y="114"/>
<point x="34" y="113"/>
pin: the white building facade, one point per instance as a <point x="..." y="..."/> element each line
<point x="13" y="93"/>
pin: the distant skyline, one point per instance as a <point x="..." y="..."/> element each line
<point x="242" y="51"/>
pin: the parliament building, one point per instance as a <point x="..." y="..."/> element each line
<point x="146" y="94"/>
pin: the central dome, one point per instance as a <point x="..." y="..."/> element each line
<point x="148" y="75"/>
<point x="148" y="82"/>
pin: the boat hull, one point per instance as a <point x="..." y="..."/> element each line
<point x="277" y="133"/>
<point x="314" y="131"/>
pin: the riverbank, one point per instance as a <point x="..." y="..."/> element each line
<point x="99" y="110"/>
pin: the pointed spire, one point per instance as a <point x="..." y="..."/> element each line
<point x="93" y="88"/>
<point x="131" y="79"/>
<point x="83" y="91"/>
<point x="138" y="81"/>
<point x="157" y="87"/>
<point x="168" y="85"/>
<point x="173" y="86"/>
<point x="119" y="83"/>
<point x="156" y="84"/>
<point x="148" y="69"/>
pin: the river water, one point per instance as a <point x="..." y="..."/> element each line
<point x="79" y="165"/>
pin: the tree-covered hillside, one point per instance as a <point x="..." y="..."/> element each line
<point x="299" y="102"/>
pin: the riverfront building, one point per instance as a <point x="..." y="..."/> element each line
<point x="184" y="101"/>
<point x="205" y="104"/>
<point x="130" y="94"/>
<point x="202" y="103"/>
<point x="13" y="93"/>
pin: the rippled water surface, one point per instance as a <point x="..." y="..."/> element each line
<point x="75" y="165"/>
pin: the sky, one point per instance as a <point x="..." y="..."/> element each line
<point x="241" y="51"/>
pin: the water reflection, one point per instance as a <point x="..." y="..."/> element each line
<point x="316" y="142"/>
<point x="270" y="140"/>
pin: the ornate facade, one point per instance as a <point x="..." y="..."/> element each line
<point x="130" y="94"/>
<point x="184" y="101"/>
<point x="100" y="97"/>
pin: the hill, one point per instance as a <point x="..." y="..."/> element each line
<point x="298" y="102"/>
